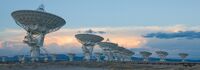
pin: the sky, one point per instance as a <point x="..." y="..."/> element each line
<point x="151" y="25"/>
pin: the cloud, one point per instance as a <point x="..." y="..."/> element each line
<point x="179" y="34"/>
<point x="63" y="40"/>
<point x="129" y="37"/>
<point x="9" y="48"/>
<point x="173" y="46"/>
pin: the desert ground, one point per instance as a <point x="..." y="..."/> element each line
<point x="92" y="66"/>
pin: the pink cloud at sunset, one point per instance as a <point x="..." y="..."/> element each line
<point x="63" y="40"/>
<point x="122" y="37"/>
<point x="129" y="37"/>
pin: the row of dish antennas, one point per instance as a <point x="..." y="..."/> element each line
<point x="145" y="55"/>
<point x="162" y="55"/>
<point x="90" y="31"/>
<point x="45" y="58"/>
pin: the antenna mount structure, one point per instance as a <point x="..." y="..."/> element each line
<point x="88" y="41"/>
<point x="37" y="24"/>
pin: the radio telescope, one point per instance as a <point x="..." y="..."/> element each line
<point x="88" y="41"/>
<point x="107" y="48"/>
<point x="183" y="56"/>
<point x="4" y="59"/>
<point x="129" y="55"/>
<point x="116" y="54"/>
<point x="162" y="55"/>
<point x="145" y="55"/>
<point x="122" y="54"/>
<point x="37" y="23"/>
<point x="21" y="58"/>
<point x="71" y="56"/>
<point x="119" y="53"/>
<point x="98" y="56"/>
<point x="54" y="57"/>
<point x="46" y="59"/>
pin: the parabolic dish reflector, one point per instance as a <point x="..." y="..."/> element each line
<point x="121" y="49"/>
<point x="38" y="21"/>
<point x="108" y="44"/>
<point x="89" y="38"/>
<point x="130" y="52"/>
<point x="125" y="51"/>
